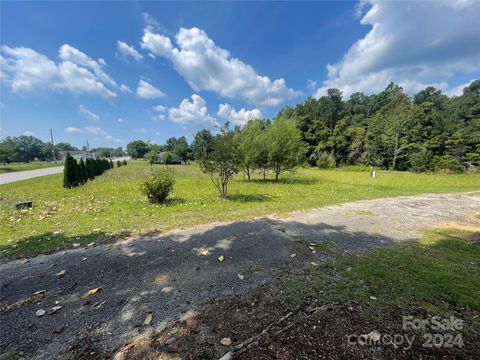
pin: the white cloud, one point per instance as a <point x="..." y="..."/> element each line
<point x="458" y="90"/>
<point x="160" y="108"/>
<point x="113" y="139"/>
<point x="238" y="117"/>
<point x="148" y="91"/>
<point x="124" y="51"/>
<point x="412" y="43"/>
<point x="311" y="84"/>
<point x="120" y="120"/>
<point x="24" y="69"/>
<point x="206" y="66"/>
<point x="72" y="130"/>
<point x="194" y="111"/>
<point x="125" y="89"/>
<point x="95" y="130"/>
<point x="82" y="110"/>
<point x="28" y="133"/>
<point x="69" y="53"/>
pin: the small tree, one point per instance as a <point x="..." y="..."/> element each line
<point x="152" y="157"/>
<point x="124" y="162"/>
<point x="285" y="145"/>
<point x="70" y="172"/>
<point x="251" y="146"/>
<point x="119" y="163"/>
<point x="111" y="164"/>
<point x="221" y="163"/>
<point x="89" y="164"/>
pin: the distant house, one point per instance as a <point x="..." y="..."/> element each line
<point x="78" y="154"/>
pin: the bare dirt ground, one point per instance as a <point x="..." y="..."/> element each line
<point x="175" y="277"/>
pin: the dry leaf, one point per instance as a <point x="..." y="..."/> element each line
<point x="94" y="291"/>
<point x="204" y="253"/>
<point x="40" y="312"/>
<point x="226" y="341"/>
<point x="40" y="292"/>
<point x="373" y="298"/>
<point x="76" y="244"/>
<point x="148" y="319"/>
<point x="313" y="263"/>
<point x="240" y="276"/>
<point x="293" y="255"/>
<point x="61" y="273"/>
<point x="221" y="258"/>
<point x="161" y="279"/>
<point x="54" y="309"/>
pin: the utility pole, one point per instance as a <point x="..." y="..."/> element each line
<point x="53" y="145"/>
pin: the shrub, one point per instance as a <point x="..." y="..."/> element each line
<point x="447" y="163"/>
<point x="119" y="163"/>
<point x="90" y="168"/>
<point x="326" y="162"/>
<point x="111" y="164"/>
<point x="158" y="186"/>
<point x="124" y="162"/>
<point x="70" y="172"/>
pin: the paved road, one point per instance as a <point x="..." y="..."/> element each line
<point x="173" y="275"/>
<point x="29" y="174"/>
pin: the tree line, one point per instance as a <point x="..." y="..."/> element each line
<point x="26" y="148"/>
<point x="76" y="173"/>
<point x="428" y="131"/>
<point x="424" y="132"/>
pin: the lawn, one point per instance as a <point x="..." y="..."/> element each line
<point x="12" y="167"/>
<point x="111" y="206"/>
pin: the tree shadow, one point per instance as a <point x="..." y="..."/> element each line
<point x="168" y="275"/>
<point x="245" y="198"/>
<point x="51" y="242"/>
<point x="300" y="181"/>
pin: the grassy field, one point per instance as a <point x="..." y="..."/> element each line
<point x="12" y="167"/>
<point x="111" y="206"/>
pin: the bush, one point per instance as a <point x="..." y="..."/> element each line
<point x="447" y="163"/>
<point x="421" y="161"/>
<point x="158" y="186"/>
<point x="82" y="171"/>
<point x="124" y="162"/>
<point x="119" y="163"/>
<point x="326" y="162"/>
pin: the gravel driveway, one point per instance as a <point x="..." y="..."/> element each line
<point x="29" y="174"/>
<point x="174" y="275"/>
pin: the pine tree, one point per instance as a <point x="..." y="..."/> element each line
<point x="90" y="168"/>
<point x="70" y="172"/>
<point x="83" y="171"/>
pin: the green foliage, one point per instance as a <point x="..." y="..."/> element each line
<point x="71" y="172"/>
<point x="124" y="162"/>
<point x="221" y="163"/>
<point x="285" y="148"/>
<point x="202" y="144"/>
<point x="90" y="166"/>
<point x="152" y="156"/>
<point x="253" y="147"/>
<point x="388" y="129"/>
<point x="158" y="186"/>
<point x="137" y="149"/>
<point x="326" y="161"/>
<point x="119" y="163"/>
<point x="421" y="161"/>
<point x="447" y="163"/>
<point x="82" y="170"/>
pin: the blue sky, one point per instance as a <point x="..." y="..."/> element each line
<point x="111" y="72"/>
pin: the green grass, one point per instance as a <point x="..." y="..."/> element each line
<point x="12" y="167"/>
<point x="438" y="275"/>
<point x="112" y="205"/>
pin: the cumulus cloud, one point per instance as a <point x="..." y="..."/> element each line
<point x="205" y="66"/>
<point x="194" y="111"/>
<point x="146" y="90"/>
<point x="82" y="110"/>
<point x="125" y="51"/>
<point x="95" y="130"/>
<point x="24" y="69"/>
<point x="412" y="43"/>
<point x="240" y="117"/>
